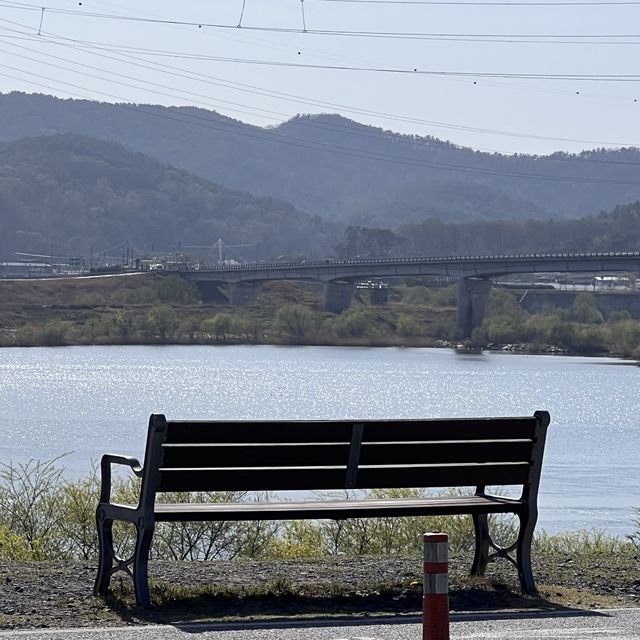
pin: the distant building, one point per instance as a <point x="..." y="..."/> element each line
<point x="25" y="269"/>
<point x="612" y="282"/>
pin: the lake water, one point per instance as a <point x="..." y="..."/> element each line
<point x="85" y="401"/>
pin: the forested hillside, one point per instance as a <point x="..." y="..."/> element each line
<point x="617" y="230"/>
<point x="72" y="195"/>
<point x="339" y="169"/>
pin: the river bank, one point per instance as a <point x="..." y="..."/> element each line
<point x="59" y="594"/>
<point x="147" y="309"/>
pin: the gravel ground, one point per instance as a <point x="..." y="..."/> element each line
<point x="59" y="594"/>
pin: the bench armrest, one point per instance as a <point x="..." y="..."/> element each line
<point x="105" y="471"/>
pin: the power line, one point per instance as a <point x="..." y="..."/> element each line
<point x="345" y="129"/>
<point x="480" y="3"/>
<point x="252" y="89"/>
<point x="192" y="119"/>
<point x="49" y="56"/>
<point x="256" y="90"/>
<point x="582" y="77"/>
<point x="458" y="127"/>
<point x="510" y="38"/>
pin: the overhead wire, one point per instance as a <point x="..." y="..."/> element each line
<point x="234" y="35"/>
<point x="502" y="84"/>
<point x="253" y="90"/>
<point x="338" y="149"/>
<point x="158" y="88"/>
<point x="410" y="141"/>
<point x="244" y="2"/>
<point x="510" y="38"/>
<point x="583" y="77"/>
<point x="483" y="3"/>
<point x="237" y="36"/>
<point x="404" y="159"/>
<point x="325" y="126"/>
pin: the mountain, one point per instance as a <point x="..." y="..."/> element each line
<point x="339" y="169"/>
<point x="72" y="195"/>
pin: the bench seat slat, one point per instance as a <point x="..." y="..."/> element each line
<point x="319" y="478"/>
<point x="336" y="509"/>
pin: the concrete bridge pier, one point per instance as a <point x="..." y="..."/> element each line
<point x="243" y="293"/>
<point x="338" y="295"/>
<point x="210" y="293"/>
<point x="379" y="296"/>
<point x="473" y="294"/>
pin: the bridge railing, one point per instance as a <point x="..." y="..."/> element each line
<point x="327" y="263"/>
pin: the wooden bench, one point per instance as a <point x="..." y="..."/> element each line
<point x="329" y="455"/>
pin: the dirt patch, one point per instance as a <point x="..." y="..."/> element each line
<point x="59" y="594"/>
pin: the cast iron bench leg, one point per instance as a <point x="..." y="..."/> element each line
<point x="105" y="553"/>
<point x="141" y="562"/>
<point x="523" y="550"/>
<point x="481" y="556"/>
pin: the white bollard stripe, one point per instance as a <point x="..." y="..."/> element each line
<point x="436" y="552"/>
<point x="436" y="583"/>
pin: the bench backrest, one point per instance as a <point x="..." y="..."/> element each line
<point x="329" y="455"/>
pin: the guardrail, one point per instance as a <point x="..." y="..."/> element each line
<point x="314" y="264"/>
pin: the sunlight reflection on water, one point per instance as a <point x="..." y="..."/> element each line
<point x="88" y="400"/>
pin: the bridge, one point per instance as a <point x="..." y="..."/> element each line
<point x="475" y="274"/>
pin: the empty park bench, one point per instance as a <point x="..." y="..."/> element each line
<point x="329" y="455"/>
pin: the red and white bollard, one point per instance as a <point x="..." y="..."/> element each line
<point x="435" y="598"/>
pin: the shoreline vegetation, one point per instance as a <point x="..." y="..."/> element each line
<point x="240" y="570"/>
<point x="151" y="309"/>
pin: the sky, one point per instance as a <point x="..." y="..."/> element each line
<point x="510" y="77"/>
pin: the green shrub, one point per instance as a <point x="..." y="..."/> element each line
<point x="417" y="295"/>
<point x="634" y="538"/>
<point x="14" y="548"/>
<point x="299" y="539"/>
<point x="176" y="290"/>
<point x="76" y="502"/>
<point x="29" y="505"/>
<point x="542" y="328"/>
<point x="54" y="333"/>
<point x="294" y="321"/>
<point x="445" y="297"/>
<point x="141" y="295"/>
<point x="503" y="330"/>
<point x="161" y="322"/>
<point x="406" y="326"/>
<point x="356" y="323"/>
<point x="44" y="516"/>
<point x="585" y="543"/>
<point x="584" y="309"/>
<point x="623" y="336"/>
<point x="220" y="325"/>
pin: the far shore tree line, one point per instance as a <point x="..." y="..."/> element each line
<point x="167" y="310"/>
<point x="617" y="230"/>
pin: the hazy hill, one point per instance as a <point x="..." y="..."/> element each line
<point x="69" y="195"/>
<point x="337" y="168"/>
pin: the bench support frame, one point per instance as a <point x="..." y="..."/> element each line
<point x="143" y="516"/>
